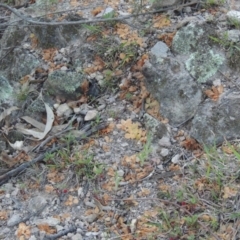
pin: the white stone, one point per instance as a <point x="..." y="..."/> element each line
<point x="77" y="237"/>
<point x="64" y="68"/>
<point x="120" y="173"/>
<point x="175" y="159"/>
<point x="80" y="192"/>
<point x="165" y="142"/>
<point x="234" y="16"/>
<point x="32" y="238"/>
<point x="217" y="82"/>
<point x="77" y="110"/>
<point x="91" y="114"/>
<point x="64" y="110"/>
<point x="56" y="105"/>
<point x="164" y="152"/>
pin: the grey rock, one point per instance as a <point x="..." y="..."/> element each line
<point x="5" y="230"/>
<point x="13" y="67"/>
<point x="64" y="84"/>
<point x="164" y="152"/>
<point x="165" y="142"/>
<point x="32" y="238"/>
<point x="77" y="236"/>
<point x="14" y="219"/>
<point x="91" y="115"/>
<point x="233" y="16"/>
<point x="187" y="9"/>
<point x="176" y="158"/>
<point x="233" y="35"/>
<point x="37" y="204"/>
<point x="160" y="50"/>
<point x="64" y="110"/>
<point x="176" y="91"/>
<point x="8" y="187"/>
<point x="217" y="121"/>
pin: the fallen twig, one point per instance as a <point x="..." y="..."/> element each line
<point x="54" y="23"/>
<point x="60" y="234"/>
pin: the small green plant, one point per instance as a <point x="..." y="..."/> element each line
<point x="143" y="155"/>
<point x="211" y="3"/>
<point x="129" y="96"/>
<point x="232" y="48"/>
<point x="191" y="221"/>
<point x="97" y="120"/>
<point x="115" y="54"/>
<point x="93" y="29"/>
<point x="82" y="164"/>
<point x="109" y="16"/>
<point x="108" y="81"/>
<point x="180" y="195"/>
<point x="23" y="93"/>
<point x="112" y="114"/>
<point x="117" y="180"/>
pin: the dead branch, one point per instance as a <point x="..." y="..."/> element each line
<point x="54" y="23"/>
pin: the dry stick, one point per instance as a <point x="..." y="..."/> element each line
<point x="23" y="17"/>
<point x="60" y="234"/>
<point x="167" y="202"/>
<point x="14" y="172"/>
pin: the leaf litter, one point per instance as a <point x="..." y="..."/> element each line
<point x="155" y="206"/>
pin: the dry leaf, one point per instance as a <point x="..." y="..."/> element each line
<point x="74" y="3"/>
<point x="161" y="21"/>
<point x="215" y="92"/>
<point x="23" y="230"/>
<point x="145" y="192"/>
<point x="167" y="38"/>
<point x="96" y="11"/>
<point x="228" y="149"/>
<point x="46" y="228"/>
<point x="34" y="40"/>
<point x="50" y="119"/>
<point x="49" y="188"/>
<point x="3" y="215"/>
<point x="229" y="192"/>
<point x="133" y="130"/>
<point x="191" y="144"/>
<point x="71" y="201"/>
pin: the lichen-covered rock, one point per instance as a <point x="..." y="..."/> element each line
<point x="203" y="60"/>
<point x="5" y="89"/>
<point x="203" y="65"/>
<point x="16" y="63"/>
<point x="186" y="39"/>
<point x="64" y="84"/>
<point x="217" y="121"/>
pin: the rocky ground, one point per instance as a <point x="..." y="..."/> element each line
<point x="107" y="163"/>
